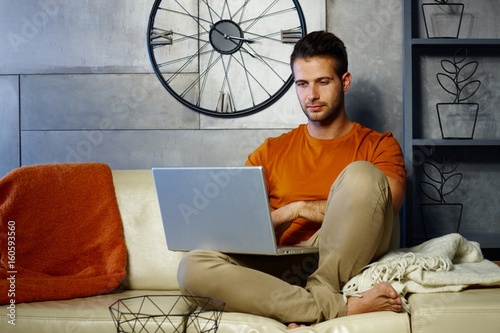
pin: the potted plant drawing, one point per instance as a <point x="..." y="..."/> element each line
<point x="440" y="217"/>
<point x="442" y="19"/>
<point x="457" y="120"/>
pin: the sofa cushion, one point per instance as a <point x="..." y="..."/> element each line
<point x="78" y="315"/>
<point x="468" y="311"/>
<point x="92" y="315"/>
<point x="150" y="264"/>
<point x="382" y="321"/>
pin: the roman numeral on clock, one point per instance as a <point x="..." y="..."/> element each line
<point x="291" y="35"/>
<point x="160" y="37"/>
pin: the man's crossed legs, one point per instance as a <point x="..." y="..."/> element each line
<point x="356" y="231"/>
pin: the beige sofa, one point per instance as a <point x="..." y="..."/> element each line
<point x="152" y="271"/>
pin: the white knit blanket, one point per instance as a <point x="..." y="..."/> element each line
<point x="447" y="263"/>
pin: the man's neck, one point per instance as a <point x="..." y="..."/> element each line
<point x="336" y="129"/>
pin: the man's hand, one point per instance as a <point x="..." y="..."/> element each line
<point x="313" y="211"/>
<point x="285" y="214"/>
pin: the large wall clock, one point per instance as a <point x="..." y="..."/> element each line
<point x="224" y="57"/>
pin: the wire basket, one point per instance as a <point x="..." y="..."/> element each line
<point x="166" y="313"/>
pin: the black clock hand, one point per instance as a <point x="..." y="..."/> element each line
<point x="242" y="39"/>
<point x="226" y="36"/>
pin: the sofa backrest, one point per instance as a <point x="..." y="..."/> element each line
<point x="151" y="266"/>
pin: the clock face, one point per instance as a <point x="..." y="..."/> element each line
<point x="224" y="57"/>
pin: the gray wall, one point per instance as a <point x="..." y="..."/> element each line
<point x="372" y="32"/>
<point x="76" y="85"/>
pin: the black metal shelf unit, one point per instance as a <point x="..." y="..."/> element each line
<point x="478" y="159"/>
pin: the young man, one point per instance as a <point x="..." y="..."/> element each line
<point x="332" y="183"/>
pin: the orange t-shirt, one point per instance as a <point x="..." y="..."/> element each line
<point x="300" y="167"/>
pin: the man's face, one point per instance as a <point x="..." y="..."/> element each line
<point x="319" y="89"/>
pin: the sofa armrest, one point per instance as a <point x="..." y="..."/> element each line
<point x="456" y="312"/>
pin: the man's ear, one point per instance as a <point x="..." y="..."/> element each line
<point x="346" y="81"/>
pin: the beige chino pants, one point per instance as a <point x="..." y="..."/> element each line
<point x="355" y="231"/>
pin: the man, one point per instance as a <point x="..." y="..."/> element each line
<point x="332" y="183"/>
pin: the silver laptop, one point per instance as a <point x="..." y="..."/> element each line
<point x="225" y="209"/>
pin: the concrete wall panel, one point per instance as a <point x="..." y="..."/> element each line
<point x="143" y="149"/>
<point x="9" y="124"/>
<point x="98" y="101"/>
<point x="62" y="36"/>
<point x="373" y="38"/>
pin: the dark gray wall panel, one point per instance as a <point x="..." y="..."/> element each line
<point x="9" y="124"/>
<point x="61" y="36"/>
<point x="373" y="38"/>
<point x="123" y="101"/>
<point x="142" y="149"/>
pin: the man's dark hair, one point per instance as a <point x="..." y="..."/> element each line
<point x="321" y="44"/>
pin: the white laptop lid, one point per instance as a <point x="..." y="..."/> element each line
<point x="225" y="209"/>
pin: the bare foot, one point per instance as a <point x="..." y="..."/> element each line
<point x="381" y="297"/>
<point x="292" y="326"/>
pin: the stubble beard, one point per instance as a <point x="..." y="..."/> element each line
<point x="328" y="115"/>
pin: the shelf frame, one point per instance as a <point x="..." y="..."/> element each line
<point x="412" y="46"/>
<point x="455" y="42"/>
<point x="458" y="142"/>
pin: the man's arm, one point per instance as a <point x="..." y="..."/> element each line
<point x="398" y="194"/>
<point x="313" y="211"/>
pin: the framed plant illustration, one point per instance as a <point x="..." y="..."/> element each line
<point x="440" y="216"/>
<point x="457" y="119"/>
